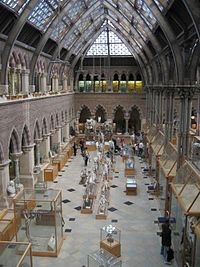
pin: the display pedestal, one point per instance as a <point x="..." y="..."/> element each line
<point x="131" y="190"/>
<point x="130" y="171"/>
<point x="50" y="173"/>
<point x="102" y="216"/>
<point x="113" y="248"/>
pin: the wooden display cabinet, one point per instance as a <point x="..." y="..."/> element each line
<point x="7" y="225"/>
<point x="50" y="173"/>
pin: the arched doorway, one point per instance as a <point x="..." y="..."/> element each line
<point x="119" y="120"/>
<point x="84" y="115"/>
<point x="134" y="123"/>
<point x="100" y="113"/>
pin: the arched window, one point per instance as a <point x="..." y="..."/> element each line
<point x="103" y="83"/>
<point x="116" y="83"/>
<point x="138" y="83"/>
<point x="131" y="83"/>
<point x="81" y="84"/>
<point x="123" y="83"/>
<point x="88" y="83"/>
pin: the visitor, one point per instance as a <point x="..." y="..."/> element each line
<point x="141" y="148"/>
<point x="166" y="241"/>
<point x="75" y="148"/>
<point x="86" y="157"/>
<point x="81" y="143"/>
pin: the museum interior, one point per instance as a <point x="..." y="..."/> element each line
<point x="99" y="133"/>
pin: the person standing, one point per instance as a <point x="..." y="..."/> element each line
<point x="165" y="240"/>
<point x="75" y="148"/>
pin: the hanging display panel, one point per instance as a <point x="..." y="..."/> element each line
<point x="138" y="86"/>
<point x="115" y="86"/>
<point x="123" y="86"/>
<point x="131" y="86"/>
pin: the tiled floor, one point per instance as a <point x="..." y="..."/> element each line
<point x="133" y="215"/>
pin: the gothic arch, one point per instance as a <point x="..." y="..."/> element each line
<point x="44" y="127"/>
<point x="26" y="139"/>
<point x="52" y="124"/>
<point x="14" y="143"/>
<point x="134" y="122"/>
<point x="37" y="132"/>
<point x="57" y="120"/>
<point x="1" y="154"/>
<point x="100" y="111"/>
<point x="84" y="113"/>
<point x="119" y="119"/>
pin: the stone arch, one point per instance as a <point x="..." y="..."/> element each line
<point x="52" y="124"/>
<point x="22" y="61"/>
<point x="134" y="122"/>
<point x="26" y="139"/>
<point x="14" y="143"/>
<point x="100" y="111"/>
<point x="66" y="116"/>
<point x="62" y="117"/>
<point x="1" y="154"/>
<point x="57" y="120"/>
<point x="119" y="119"/>
<point x="37" y="132"/>
<point x="84" y="114"/>
<point x="44" y="127"/>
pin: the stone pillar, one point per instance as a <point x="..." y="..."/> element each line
<point x="56" y="139"/>
<point x="37" y="147"/>
<point x="53" y="83"/>
<point x="56" y="81"/>
<point x="45" y="147"/>
<point x="65" y="84"/>
<point x="4" y="180"/>
<point x="25" y="82"/>
<point x="19" y="84"/>
<point x="15" y="158"/>
<point x="160" y="109"/>
<point x="186" y="94"/>
<point x="27" y="166"/>
<point x="198" y="114"/>
<point x="43" y="82"/>
<point x="126" y="126"/>
<point x="3" y="89"/>
<point x="12" y="74"/>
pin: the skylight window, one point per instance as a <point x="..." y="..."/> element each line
<point x="108" y="43"/>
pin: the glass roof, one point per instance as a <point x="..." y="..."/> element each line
<point x="17" y="5"/>
<point x="108" y="43"/>
<point x="132" y="19"/>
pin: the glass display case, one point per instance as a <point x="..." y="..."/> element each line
<point x="130" y="167"/>
<point x="104" y="259"/>
<point x="151" y="133"/>
<point x="38" y="217"/>
<point x="157" y="147"/>
<point x="196" y="151"/>
<point x="186" y="210"/>
<point x="131" y="186"/>
<point x="167" y="172"/>
<point x="14" y="254"/>
<point x="110" y="240"/>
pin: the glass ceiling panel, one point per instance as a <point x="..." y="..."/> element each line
<point x="75" y="10"/>
<point x="58" y="32"/>
<point x="108" y="41"/>
<point x="17" y="5"/>
<point x="43" y="13"/>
